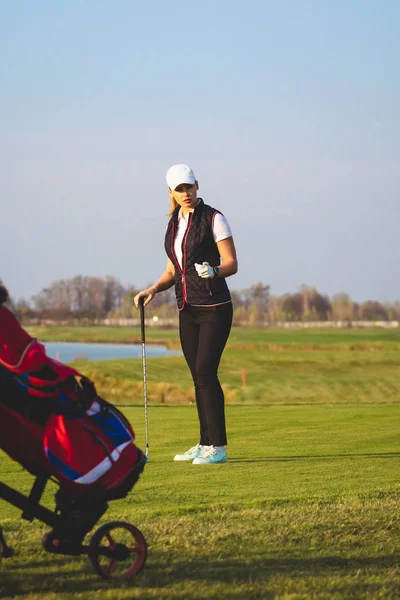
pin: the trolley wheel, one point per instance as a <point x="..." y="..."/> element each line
<point x="117" y="550"/>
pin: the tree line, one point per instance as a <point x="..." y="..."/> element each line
<point x="90" y="299"/>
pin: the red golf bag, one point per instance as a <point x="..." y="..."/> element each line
<point x="52" y="420"/>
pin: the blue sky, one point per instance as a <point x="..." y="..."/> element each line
<point x="288" y="112"/>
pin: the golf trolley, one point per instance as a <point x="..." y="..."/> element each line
<point x="68" y="434"/>
<point x="55" y="425"/>
<point x="117" y="550"/>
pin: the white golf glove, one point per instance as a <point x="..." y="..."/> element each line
<point x="205" y="271"/>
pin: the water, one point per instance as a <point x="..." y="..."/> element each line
<point x="68" y="351"/>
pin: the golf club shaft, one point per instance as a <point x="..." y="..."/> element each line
<point x="146" y="420"/>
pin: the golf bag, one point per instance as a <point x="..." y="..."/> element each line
<point x="53" y="422"/>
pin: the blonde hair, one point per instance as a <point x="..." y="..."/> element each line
<point x="174" y="204"/>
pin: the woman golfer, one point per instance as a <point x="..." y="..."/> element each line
<point x="201" y="255"/>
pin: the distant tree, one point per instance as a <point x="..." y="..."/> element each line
<point x="342" y="307"/>
<point x="315" y="305"/>
<point x="371" y="310"/>
<point x="85" y="297"/>
<point x="258" y="293"/>
<point x="292" y="307"/>
<point x="113" y="294"/>
<point x="395" y="311"/>
<point x="24" y="310"/>
<point x="166" y="311"/>
<point x="240" y="315"/>
<point x="166" y="297"/>
<point x="275" y="311"/>
<point x="81" y="296"/>
<point x="127" y="310"/>
<point x="237" y="299"/>
<point x="321" y="306"/>
<point x="256" y="315"/>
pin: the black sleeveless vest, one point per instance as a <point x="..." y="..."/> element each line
<point x="198" y="246"/>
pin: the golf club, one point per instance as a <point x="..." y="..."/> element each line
<point x="146" y="420"/>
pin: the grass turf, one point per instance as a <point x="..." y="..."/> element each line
<point x="269" y="367"/>
<point x="306" y="507"/>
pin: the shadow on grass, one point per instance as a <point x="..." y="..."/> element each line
<point x="40" y="576"/>
<point x="315" y="457"/>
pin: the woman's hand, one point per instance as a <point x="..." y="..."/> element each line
<point x="205" y="271"/>
<point x="147" y="294"/>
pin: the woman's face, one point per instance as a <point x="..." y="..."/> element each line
<point x="185" y="195"/>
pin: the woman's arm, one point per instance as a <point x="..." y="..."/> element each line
<point x="166" y="281"/>
<point x="227" y="252"/>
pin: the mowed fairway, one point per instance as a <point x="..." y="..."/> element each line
<point x="308" y="505"/>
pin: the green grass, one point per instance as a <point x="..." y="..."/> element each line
<point x="326" y="367"/>
<point x="368" y="338"/>
<point x="307" y="506"/>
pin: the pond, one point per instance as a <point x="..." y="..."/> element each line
<point x="68" y="351"/>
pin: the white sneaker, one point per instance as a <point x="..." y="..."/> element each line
<point x="191" y="453"/>
<point x="211" y="455"/>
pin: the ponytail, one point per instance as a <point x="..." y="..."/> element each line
<point x="174" y="205"/>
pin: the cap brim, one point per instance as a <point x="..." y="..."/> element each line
<point x="189" y="181"/>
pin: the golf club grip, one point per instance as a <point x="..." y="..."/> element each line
<point x="141" y="307"/>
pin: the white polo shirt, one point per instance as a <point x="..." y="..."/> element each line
<point x="221" y="231"/>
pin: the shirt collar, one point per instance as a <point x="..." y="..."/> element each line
<point x="180" y="216"/>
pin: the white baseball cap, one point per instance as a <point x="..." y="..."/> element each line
<point x="179" y="174"/>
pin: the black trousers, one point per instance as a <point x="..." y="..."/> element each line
<point x="203" y="333"/>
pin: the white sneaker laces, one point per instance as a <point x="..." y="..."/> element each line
<point x="208" y="451"/>
<point x="193" y="449"/>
